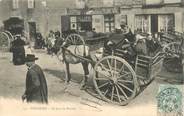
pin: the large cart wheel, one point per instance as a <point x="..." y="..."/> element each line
<point x="115" y="80"/>
<point x="172" y="62"/>
<point x="10" y="35"/>
<point x="75" y="40"/>
<point x="4" y="41"/>
<point x="172" y="49"/>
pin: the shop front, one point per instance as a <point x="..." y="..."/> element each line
<point x="81" y="23"/>
<point x="98" y="19"/>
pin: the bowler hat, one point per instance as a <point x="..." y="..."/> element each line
<point x="30" y="58"/>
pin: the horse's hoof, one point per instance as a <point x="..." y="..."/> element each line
<point x="83" y="87"/>
<point x="66" y="84"/>
<point x="65" y="89"/>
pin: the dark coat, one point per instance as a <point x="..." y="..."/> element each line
<point x="57" y="45"/>
<point x="36" y="85"/>
<point x="18" y="51"/>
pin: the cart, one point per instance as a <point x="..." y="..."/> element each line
<point x="115" y="79"/>
<point x="172" y="41"/>
<point x="5" y="40"/>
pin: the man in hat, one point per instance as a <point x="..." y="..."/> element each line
<point x="58" y="42"/>
<point x="18" y="50"/>
<point x="36" y="85"/>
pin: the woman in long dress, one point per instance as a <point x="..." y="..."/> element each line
<point x="18" y="50"/>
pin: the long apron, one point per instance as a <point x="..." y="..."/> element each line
<point x="18" y="55"/>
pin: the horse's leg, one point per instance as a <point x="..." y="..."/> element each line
<point x="86" y="74"/>
<point x="67" y="73"/>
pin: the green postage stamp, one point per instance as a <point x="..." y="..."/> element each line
<point x="170" y="100"/>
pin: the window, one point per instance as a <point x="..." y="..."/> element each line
<point x="84" y="23"/>
<point x="81" y="22"/>
<point x="108" y="3"/>
<point x="73" y="22"/>
<point x="15" y="4"/>
<point x="166" y="22"/>
<point x="123" y="19"/>
<point x="31" y="4"/>
<point x="153" y="2"/>
<point x="172" y="1"/>
<point x="80" y="3"/>
<point x="142" y="23"/>
<point x="109" y="23"/>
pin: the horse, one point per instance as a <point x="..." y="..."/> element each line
<point x="75" y="54"/>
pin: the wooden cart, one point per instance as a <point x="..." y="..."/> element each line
<point x="5" y="40"/>
<point x="172" y="42"/>
<point x="114" y="78"/>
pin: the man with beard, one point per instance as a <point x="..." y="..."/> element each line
<point x="36" y="85"/>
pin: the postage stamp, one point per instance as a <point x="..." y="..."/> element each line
<point x="170" y="100"/>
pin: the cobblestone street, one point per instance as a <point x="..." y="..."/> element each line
<point x="12" y="85"/>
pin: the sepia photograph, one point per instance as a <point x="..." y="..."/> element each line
<point x="92" y="57"/>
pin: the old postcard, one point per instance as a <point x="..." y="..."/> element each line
<point x="92" y="57"/>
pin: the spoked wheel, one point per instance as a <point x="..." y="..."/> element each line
<point x="172" y="49"/>
<point x="172" y="62"/>
<point x="75" y="41"/>
<point x="10" y="35"/>
<point x="115" y="80"/>
<point x="4" y="41"/>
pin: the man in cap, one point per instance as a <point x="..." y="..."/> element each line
<point x="36" y="85"/>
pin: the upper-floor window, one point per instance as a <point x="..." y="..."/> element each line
<point x="108" y="3"/>
<point x="172" y="1"/>
<point x="152" y="2"/>
<point x="81" y="3"/>
<point x="160" y="2"/>
<point x="15" y="4"/>
<point x="31" y="4"/>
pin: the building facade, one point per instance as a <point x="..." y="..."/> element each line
<point x="140" y="15"/>
<point x="103" y="15"/>
<point x="97" y="14"/>
<point x="38" y="15"/>
<point x="152" y="15"/>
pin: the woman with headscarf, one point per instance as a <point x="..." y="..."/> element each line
<point x="18" y="50"/>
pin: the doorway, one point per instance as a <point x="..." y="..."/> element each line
<point x="154" y="23"/>
<point x="32" y="30"/>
